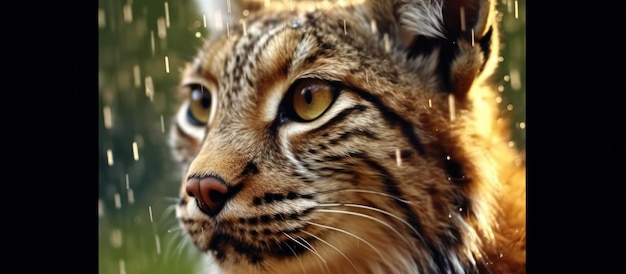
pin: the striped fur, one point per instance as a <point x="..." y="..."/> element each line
<point x="407" y="171"/>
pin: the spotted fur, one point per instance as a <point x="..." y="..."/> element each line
<point x="407" y="171"/>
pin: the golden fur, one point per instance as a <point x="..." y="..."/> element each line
<point x="408" y="170"/>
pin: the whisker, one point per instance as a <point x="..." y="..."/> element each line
<point x="380" y="211"/>
<point x="367" y="217"/>
<point x="349" y="234"/>
<point x="333" y="247"/>
<point x="292" y="251"/>
<point x="309" y="249"/>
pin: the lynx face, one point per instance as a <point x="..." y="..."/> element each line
<point x="351" y="139"/>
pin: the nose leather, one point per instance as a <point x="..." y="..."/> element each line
<point x="210" y="192"/>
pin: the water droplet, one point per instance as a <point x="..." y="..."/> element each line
<point x="167" y="15"/>
<point x="109" y="157"/>
<point x="398" y="157"/>
<point x="296" y="24"/>
<point x="135" y="151"/>
<point x="116" y="238"/>
<point x="118" y="200"/>
<point x="131" y="196"/>
<point x="167" y="64"/>
<point x="106" y="115"/>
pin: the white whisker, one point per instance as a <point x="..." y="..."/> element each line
<point x="309" y="249"/>
<point x="350" y="234"/>
<point x="367" y="217"/>
<point x="380" y="211"/>
<point x="292" y="251"/>
<point x="333" y="247"/>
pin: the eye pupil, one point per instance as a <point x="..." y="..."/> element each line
<point x="206" y="100"/>
<point x="308" y="95"/>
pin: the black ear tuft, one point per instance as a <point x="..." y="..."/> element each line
<point x="458" y="32"/>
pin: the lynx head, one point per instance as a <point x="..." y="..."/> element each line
<point x="350" y="138"/>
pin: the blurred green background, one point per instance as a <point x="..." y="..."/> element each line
<point x="142" y="46"/>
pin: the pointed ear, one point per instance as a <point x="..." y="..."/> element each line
<point x="452" y="39"/>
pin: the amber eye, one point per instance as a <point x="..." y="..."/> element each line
<point x="311" y="98"/>
<point x="199" y="105"/>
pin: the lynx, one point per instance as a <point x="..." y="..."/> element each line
<point x="345" y="137"/>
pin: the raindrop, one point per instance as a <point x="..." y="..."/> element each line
<point x="398" y="157"/>
<point x="522" y="125"/>
<point x="387" y="43"/>
<point x="516" y="10"/>
<point x="509" y="107"/>
<point x="135" y="151"/>
<point x="161" y="28"/>
<point x="462" y="18"/>
<point x="298" y="24"/>
<point x="127" y="182"/>
<point x="109" y="157"/>
<point x="122" y="267"/>
<point x="127" y="13"/>
<point x="167" y="15"/>
<point x="198" y="34"/>
<point x="430" y="103"/>
<point x="451" y="106"/>
<point x="158" y="243"/>
<point x="106" y="116"/>
<point x="131" y="196"/>
<point x="204" y="20"/>
<point x="499" y="99"/>
<point x="152" y="47"/>
<point x="162" y="124"/>
<point x="167" y="65"/>
<point x="373" y="26"/>
<point x="100" y="208"/>
<point x="118" y="200"/>
<point x="116" y="238"/>
<point x="149" y="87"/>
<point x="101" y="18"/>
<point x="136" y="76"/>
<point x="245" y="13"/>
<point x="150" y="211"/>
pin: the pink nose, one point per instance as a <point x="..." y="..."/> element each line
<point x="210" y="193"/>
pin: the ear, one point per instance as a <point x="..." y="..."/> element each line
<point x="455" y="38"/>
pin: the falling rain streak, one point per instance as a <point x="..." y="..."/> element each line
<point x="135" y="152"/>
<point x="128" y="13"/>
<point x="118" y="200"/>
<point x="136" y="76"/>
<point x="167" y="15"/>
<point x="122" y="267"/>
<point x="109" y="157"/>
<point x="451" y="107"/>
<point x="161" y="28"/>
<point x="162" y="124"/>
<point x="106" y="116"/>
<point x="398" y="157"/>
<point x="150" y="212"/>
<point x="149" y="88"/>
<point x="152" y="46"/>
<point x="158" y="243"/>
<point x="167" y="64"/>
